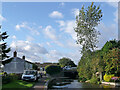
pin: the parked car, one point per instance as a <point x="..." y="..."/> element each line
<point x="30" y="75"/>
<point x="67" y="68"/>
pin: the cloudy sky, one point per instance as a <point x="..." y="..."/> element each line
<point x="44" y="32"/>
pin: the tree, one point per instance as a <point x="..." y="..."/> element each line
<point x="3" y="46"/>
<point x="84" y="66"/>
<point x="86" y="23"/>
<point x="52" y="69"/>
<point x="112" y="62"/>
<point x="34" y="66"/>
<point x="66" y="62"/>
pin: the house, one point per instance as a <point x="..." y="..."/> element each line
<point x="16" y="64"/>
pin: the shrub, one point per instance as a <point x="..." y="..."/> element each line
<point x="6" y="79"/>
<point x="52" y="69"/>
<point x="107" y="78"/>
<point x="94" y="80"/>
<point x="82" y="79"/>
<point x="14" y="76"/>
<point x="115" y="79"/>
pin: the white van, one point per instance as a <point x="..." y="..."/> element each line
<point x="30" y="75"/>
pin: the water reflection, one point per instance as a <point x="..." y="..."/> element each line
<point x="76" y="84"/>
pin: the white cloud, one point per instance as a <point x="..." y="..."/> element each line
<point x="61" y="23"/>
<point x="2" y="18"/>
<point x="56" y="14"/>
<point x="29" y="38"/>
<point x="62" y="4"/>
<point x="75" y="11"/>
<point x="29" y="50"/>
<point x="68" y="27"/>
<point x="50" y="32"/>
<point x="74" y="56"/>
<point x="73" y="44"/>
<point x="113" y="4"/>
<point x="31" y="28"/>
<point x="48" y="43"/>
<point x="116" y="16"/>
<point x="59" y="43"/>
<point x="13" y="37"/>
<point x="27" y="47"/>
<point x="107" y="33"/>
<point x="54" y="56"/>
<point x="19" y="26"/>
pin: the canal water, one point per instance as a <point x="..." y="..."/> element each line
<point x="66" y="83"/>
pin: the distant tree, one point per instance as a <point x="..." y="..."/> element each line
<point x="66" y="62"/>
<point x="86" y="23"/>
<point x="4" y="50"/>
<point x="34" y="66"/>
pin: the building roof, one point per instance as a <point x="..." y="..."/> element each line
<point x="7" y="61"/>
<point x="10" y="59"/>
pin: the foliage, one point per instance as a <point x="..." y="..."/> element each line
<point x="115" y="79"/>
<point x="109" y="45"/>
<point x="107" y="78"/>
<point x="53" y="69"/>
<point x="35" y="67"/>
<point x="3" y="46"/>
<point x="105" y="61"/>
<point x="84" y="67"/>
<point x="86" y="22"/>
<point x="112" y="62"/>
<point x="94" y="80"/>
<point x="83" y="79"/>
<point x="66" y="62"/>
<point x="7" y="61"/>
<point x="7" y="78"/>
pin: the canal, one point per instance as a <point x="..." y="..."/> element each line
<point x="72" y="83"/>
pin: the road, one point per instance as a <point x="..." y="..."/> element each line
<point x="41" y="84"/>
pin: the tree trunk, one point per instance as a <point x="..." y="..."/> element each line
<point x="100" y="76"/>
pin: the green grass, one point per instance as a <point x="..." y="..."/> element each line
<point x="18" y="84"/>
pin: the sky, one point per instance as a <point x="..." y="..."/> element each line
<point x="44" y="31"/>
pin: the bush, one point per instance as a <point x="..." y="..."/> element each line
<point x="6" y="79"/>
<point x="107" y="78"/>
<point x="52" y="69"/>
<point x="115" y="79"/>
<point x="15" y="76"/>
<point x="82" y="79"/>
<point x="94" y="80"/>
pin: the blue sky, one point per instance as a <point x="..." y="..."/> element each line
<point x="43" y="32"/>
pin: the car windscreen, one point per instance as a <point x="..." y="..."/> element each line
<point x="29" y="72"/>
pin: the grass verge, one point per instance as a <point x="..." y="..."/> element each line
<point x="18" y="84"/>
